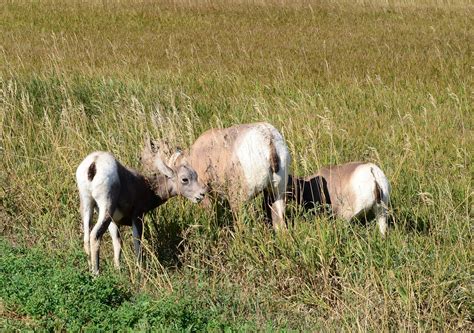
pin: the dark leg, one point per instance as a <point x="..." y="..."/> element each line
<point x="137" y="230"/>
<point x="96" y="236"/>
<point x="267" y="206"/>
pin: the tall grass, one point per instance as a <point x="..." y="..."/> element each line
<point x="387" y="82"/>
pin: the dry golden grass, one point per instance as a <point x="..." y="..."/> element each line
<point x="383" y="81"/>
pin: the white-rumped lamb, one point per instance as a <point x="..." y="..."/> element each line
<point x="351" y="190"/>
<point x="122" y="196"/>
<point x="242" y="161"/>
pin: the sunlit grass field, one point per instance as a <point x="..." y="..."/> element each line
<point x="390" y="82"/>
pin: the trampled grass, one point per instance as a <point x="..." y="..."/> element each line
<point x="382" y="81"/>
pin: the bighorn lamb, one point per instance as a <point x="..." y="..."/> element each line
<point x="239" y="162"/>
<point x="352" y="190"/>
<point x="122" y="196"/>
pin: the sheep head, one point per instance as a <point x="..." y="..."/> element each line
<point x="182" y="175"/>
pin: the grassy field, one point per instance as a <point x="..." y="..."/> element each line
<point x="383" y="81"/>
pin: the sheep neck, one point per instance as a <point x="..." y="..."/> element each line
<point x="161" y="189"/>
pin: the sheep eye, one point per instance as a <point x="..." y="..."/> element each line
<point x="184" y="180"/>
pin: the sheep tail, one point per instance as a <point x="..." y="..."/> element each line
<point x="91" y="171"/>
<point x="274" y="159"/>
<point x="380" y="192"/>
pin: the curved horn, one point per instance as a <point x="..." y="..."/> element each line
<point x="174" y="157"/>
<point x="162" y="167"/>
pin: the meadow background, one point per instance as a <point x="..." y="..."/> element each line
<point x="388" y="82"/>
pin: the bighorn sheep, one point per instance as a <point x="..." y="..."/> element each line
<point x="122" y="196"/>
<point x="239" y="162"/>
<point x="352" y="190"/>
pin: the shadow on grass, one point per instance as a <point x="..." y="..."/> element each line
<point x="167" y="233"/>
<point x="410" y="221"/>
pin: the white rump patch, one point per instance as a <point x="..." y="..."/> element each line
<point x="253" y="154"/>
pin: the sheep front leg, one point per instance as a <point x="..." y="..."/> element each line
<point x="137" y="230"/>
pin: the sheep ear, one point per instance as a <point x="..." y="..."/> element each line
<point x="163" y="168"/>
<point x="153" y="146"/>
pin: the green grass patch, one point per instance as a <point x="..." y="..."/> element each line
<point x="57" y="295"/>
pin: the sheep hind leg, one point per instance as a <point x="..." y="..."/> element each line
<point x="117" y="243"/>
<point x="274" y="201"/>
<point x="267" y="201"/>
<point x="105" y="218"/>
<point x="87" y="211"/>
<point x="380" y="211"/>
<point x="278" y="214"/>
<point x="274" y="209"/>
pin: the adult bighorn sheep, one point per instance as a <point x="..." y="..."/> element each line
<point x="122" y="196"/>
<point x="242" y="161"/>
<point x="351" y="190"/>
